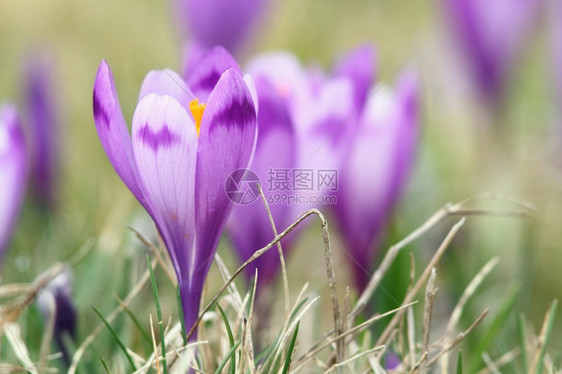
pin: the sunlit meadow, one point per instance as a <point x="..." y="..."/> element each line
<point x="408" y="155"/>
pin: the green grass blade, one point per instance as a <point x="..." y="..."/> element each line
<point x="146" y="337"/>
<point x="548" y="333"/>
<point x="230" y="337"/>
<point x="270" y="352"/>
<point x="493" y="329"/>
<point x="290" y="351"/>
<point x="117" y="338"/>
<point x="297" y="309"/>
<point x="459" y="363"/>
<point x="180" y="312"/>
<point x="159" y="313"/>
<point x="523" y="343"/>
<point x="227" y="357"/>
<point x="106" y="368"/>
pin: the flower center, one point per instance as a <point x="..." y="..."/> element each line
<point x="197" y="111"/>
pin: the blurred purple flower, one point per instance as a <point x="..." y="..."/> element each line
<point x="56" y="299"/>
<point x="321" y="105"/>
<point x="370" y="141"/>
<point x="43" y="129"/>
<point x="180" y="156"/>
<point x="226" y="23"/>
<point x="374" y="170"/>
<point x="491" y="34"/>
<point x="249" y="225"/>
<point x="392" y="361"/>
<point x="13" y="172"/>
<point x="302" y="123"/>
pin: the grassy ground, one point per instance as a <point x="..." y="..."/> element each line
<point x="460" y="156"/>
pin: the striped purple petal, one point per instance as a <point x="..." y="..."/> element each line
<point x="226" y="143"/>
<point x="208" y="69"/>
<point x="113" y="132"/>
<point x="248" y="224"/>
<point x="165" y="150"/>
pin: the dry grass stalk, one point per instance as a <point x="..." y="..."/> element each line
<point x="12" y="333"/>
<point x="457" y="311"/>
<point x="411" y="335"/>
<point x="542" y="338"/>
<point x="48" y="332"/>
<point x="156" y="253"/>
<point x="452" y="344"/>
<point x="154" y="346"/>
<point x="433" y="262"/>
<point x="489" y="363"/>
<point x="448" y="210"/>
<point x="284" y="277"/>
<point x="329" y="269"/>
<point x="326" y="340"/>
<point x="503" y="360"/>
<point x="430" y="292"/>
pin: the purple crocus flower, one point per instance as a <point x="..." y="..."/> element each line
<point x="374" y="170"/>
<point x="302" y="122"/>
<point x="42" y="125"/>
<point x="13" y="172"/>
<point x="219" y="22"/>
<point x="491" y="34"/>
<point x="56" y="298"/>
<point x="249" y="225"/>
<point x="179" y="158"/>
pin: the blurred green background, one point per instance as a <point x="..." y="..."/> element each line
<point x="460" y="155"/>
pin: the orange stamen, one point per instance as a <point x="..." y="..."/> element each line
<point x="197" y="110"/>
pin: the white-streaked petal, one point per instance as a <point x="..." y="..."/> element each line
<point x="165" y="150"/>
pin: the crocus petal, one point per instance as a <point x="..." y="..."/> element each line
<point x="13" y="169"/>
<point x="252" y="87"/>
<point x="112" y="130"/>
<point x="166" y="82"/>
<point x="219" y="22"/>
<point x="226" y="143"/>
<point x="42" y="121"/>
<point x="374" y="172"/>
<point x="325" y="124"/>
<point x="358" y="66"/>
<point x="249" y="225"/>
<point x="193" y="51"/>
<point x="165" y="150"/>
<point x="286" y="73"/>
<point x="208" y="70"/>
<point x="491" y="34"/>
